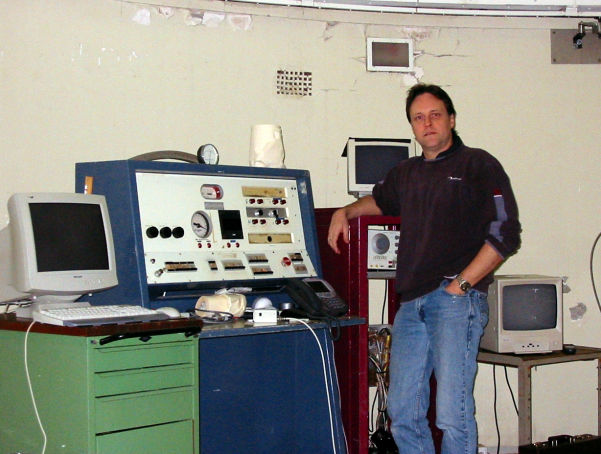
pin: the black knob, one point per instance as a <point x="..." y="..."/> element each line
<point x="178" y="232"/>
<point x="152" y="232"/>
<point x="165" y="232"/>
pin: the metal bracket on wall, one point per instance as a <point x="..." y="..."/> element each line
<point x="564" y="52"/>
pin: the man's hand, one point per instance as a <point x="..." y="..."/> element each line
<point x="453" y="288"/>
<point x="338" y="226"/>
<point x="484" y="263"/>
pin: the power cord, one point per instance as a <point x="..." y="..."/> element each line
<point x="592" y="254"/>
<point x="384" y="302"/>
<point x="325" y="376"/>
<point x="7" y="305"/>
<point x="33" y="401"/>
<point x="511" y="392"/>
<point x="494" y="384"/>
<point x="494" y="379"/>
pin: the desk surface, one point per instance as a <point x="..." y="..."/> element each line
<point x="514" y="360"/>
<point x="10" y="322"/>
<point x="240" y="327"/>
<point x="237" y="327"/>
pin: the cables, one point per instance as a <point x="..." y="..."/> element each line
<point x="591" y="270"/>
<point x="35" y="407"/>
<point x="379" y="357"/>
<point x="325" y="376"/>
<point x="515" y="406"/>
<point x="494" y="380"/>
<point x="384" y="302"/>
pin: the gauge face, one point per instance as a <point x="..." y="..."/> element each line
<point x="211" y="191"/>
<point x="208" y="154"/>
<point x="201" y="224"/>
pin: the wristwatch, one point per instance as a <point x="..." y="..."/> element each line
<point x="463" y="284"/>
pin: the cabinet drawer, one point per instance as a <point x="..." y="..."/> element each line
<point x="145" y="379"/>
<point x="143" y="355"/>
<point x="144" y="409"/>
<point x="174" y="438"/>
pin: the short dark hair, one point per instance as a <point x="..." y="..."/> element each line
<point x="434" y="90"/>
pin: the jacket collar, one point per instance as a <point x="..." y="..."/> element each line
<point x="457" y="143"/>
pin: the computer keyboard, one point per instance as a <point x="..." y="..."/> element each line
<point x="96" y="315"/>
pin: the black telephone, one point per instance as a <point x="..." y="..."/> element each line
<point x="315" y="298"/>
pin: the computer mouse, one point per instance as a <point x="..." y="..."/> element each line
<point x="262" y="303"/>
<point x="170" y="311"/>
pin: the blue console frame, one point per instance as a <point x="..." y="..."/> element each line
<point x="116" y="180"/>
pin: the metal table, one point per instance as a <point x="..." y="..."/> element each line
<point x="524" y="364"/>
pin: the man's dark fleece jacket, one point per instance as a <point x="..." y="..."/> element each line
<point x="449" y="207"/>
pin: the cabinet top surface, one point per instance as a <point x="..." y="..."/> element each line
<point x="11" y="323"/>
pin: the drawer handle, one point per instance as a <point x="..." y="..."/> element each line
<point x="147" y="335"/>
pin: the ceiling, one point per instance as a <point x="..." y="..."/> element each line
<point x="531" y="8"/>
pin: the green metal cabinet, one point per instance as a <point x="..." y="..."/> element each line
<point x="133" y="395"/>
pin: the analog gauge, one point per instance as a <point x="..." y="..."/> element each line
<point x="211" y="191"/>
<point x="201" y="224"/>
<point x="208" y="154"/>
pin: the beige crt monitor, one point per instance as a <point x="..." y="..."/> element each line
<point x="56" y="247"/>
<point x="525" y="314"/>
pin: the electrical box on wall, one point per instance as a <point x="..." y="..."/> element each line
<point x="565" y="51"/>
<point x="386" y="54"/>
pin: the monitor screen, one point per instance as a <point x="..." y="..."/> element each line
<point x="68" y="236"/>
<point x="529" y="307"/>
<point x="57" y="246"/>
<point x="525" y="314"/>
<point x="369" y="160"/>
<point x="387" y="157"/>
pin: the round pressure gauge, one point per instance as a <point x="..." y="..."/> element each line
<point x="208" y="154"/>
<point x="201" y="224"/>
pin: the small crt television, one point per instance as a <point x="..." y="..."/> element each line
<point x="526" y="314"/>
<point x="369" y="160"/>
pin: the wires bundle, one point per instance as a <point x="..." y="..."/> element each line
<point x="379" y="356"/>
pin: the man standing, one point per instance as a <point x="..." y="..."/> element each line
<point x="459" y="221"/>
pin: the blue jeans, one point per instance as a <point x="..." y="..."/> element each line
<point x="439" y="333"/>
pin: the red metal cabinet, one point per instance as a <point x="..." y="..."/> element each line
<point x="348" y="274"/>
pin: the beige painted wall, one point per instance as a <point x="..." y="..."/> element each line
<point x="81" y="81"/>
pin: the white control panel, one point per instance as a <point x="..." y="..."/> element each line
<point x="382" y="246"/>
<point x="202" y="228"/>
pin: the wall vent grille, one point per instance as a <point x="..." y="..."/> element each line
<point x="294" y="83"/>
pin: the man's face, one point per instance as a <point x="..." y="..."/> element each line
<point x="431" y="124"/>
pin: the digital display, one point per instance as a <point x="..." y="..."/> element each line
<point x="231" y="225"/>
<point x="68" y="237"/>
<point x="318" y="286"/>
